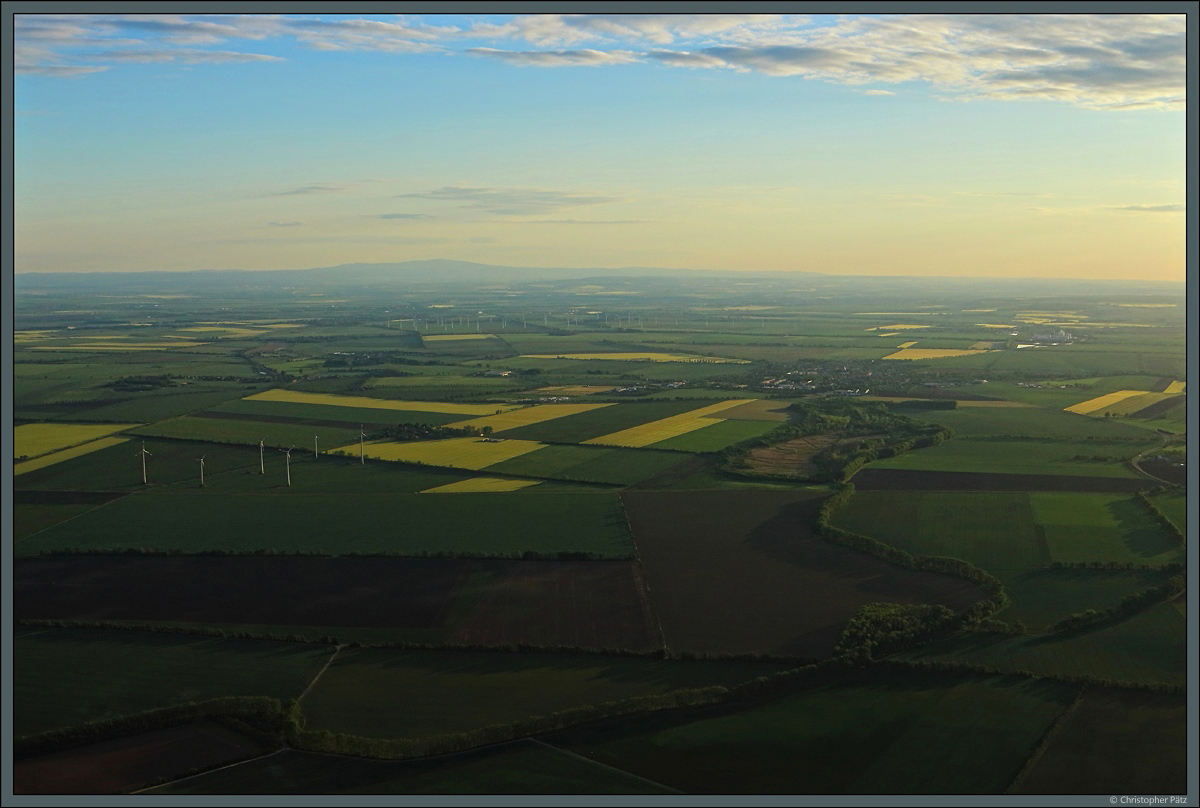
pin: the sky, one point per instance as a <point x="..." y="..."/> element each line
<point x="951" y="145"/>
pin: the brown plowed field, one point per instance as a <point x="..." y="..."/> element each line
<point x="125" y="764"/>
<point x="586" y="604"/>
<point x="903" y="480"/>
<point x="267" y="590"/>
<point x="794" y="458"/>
<point x="1162" y="384"/>
<point x="741" y="572"/>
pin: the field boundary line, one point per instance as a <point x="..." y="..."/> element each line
<point x="210" y="771"/>
<point x="606" y="766"/>
<point x="70" y="519"/>
<point x="1046" y="741"/>
<point x="642" y="577"/>
<point x="336" y="650"/>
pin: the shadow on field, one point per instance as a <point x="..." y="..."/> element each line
<point x="1143" y="536"/>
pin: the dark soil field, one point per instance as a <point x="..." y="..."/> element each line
<point x="1159" y="407"/>
<point x="904" y="480"/>
<point x="126" y="764"/>
<point x="586" y="604"/>
<point x="272" y="590"/>
<point x="1169" y="470"/>
<point x="742" y="572"/>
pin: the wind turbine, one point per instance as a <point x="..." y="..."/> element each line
<point x="315" y="453"/>
<point x="201" y="458"/>
<point x="362" y="455"/>
<point x="143" y="453"/>
<point x="288" y="453"/>
<point x="262" y="469"/>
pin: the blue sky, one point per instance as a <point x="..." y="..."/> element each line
<point x="903" y="144"/>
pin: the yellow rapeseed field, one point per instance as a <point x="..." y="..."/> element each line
<point x="38" y="439"/>
<point x="994" y="325"/>
<point x="65" y="454"/>
<point x="460" y="453"/>
<point x="928" y="353"/>
<point x="888" y="334"/>
<point x="664" y="428"/>
<point x="297" y="397"/>
<point x="1128" y="406"/>
<point x="440" y="337"/>
<point x="647" y="356"/>
<point x="1100" y="402"/>
<point x="528" y="415"/>
<point x="1176" y="387"/>
<point x="481" y="484"/>
<point x="1146" y="305"/>
<point x="907" y="344"/>
<point x="896" y="327"/>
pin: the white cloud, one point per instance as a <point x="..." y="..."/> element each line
<point x="561" y="58"/>
<point x="512" y="201"/>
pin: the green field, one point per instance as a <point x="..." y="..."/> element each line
<point x="1058" y="457"/>
<point x="119" y="467"/>
<point x="1041" y="597"/>
<point x="1174" y="507"/>
<point x="602" y="421"/>
<point x="596" y="464"/>
<point x="380" y="692"/>
<point x="28" y="519"/>
<point x="520" y="767"/>
<point x="63" y="677"/>
<point x="1151" y="646"/>
<point x="1115" y="742"/>
<point x="228" y="430"/>
<point x="1010" y="530"/>
<point x="405" y="524"/>
<point x="870" y="735"/>
<point x="718" y="436"/>
<point x="1028" y="421"/>
<point x="345" y="415"/>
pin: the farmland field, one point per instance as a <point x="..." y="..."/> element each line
<point x="930" y="353"/>
<point x="875" y="479"/>
<point x="122" y="765"/>
<point x="665" y="428"/>
<point x="866" y="735"/>
<point x="476" y="485"/>
<point x="594" y="423"/>
<point x="65" y="454"/>
<point x="1102" y="403"/>
<point x="1033" y="422"/>
<point x="33" y="440"/>
<point x="1148" y="647"/>
<point x="382" y="692"/>
<point x="362" y="402"/>
<point x="641" y="356"/>
<point x="1011" y="530"/>
<point x="520" y="767"/>
<point x="528" y="415"/>
<point x="462" y="453"/>
<point x="500" y="524"/>
<point x="1070" y="458"/>
<point x="69" y="676"/>
<point x="741" y="572"/>
<point x="716" y="437"/>
<point x="349" y="416"/>
<point x="1115" y="742"/>
<point x="226" y="430"/>
<point x="1174" y="507"/>
<point x="597" y="464"/>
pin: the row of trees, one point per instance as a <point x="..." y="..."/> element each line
<point x="1129" y="606"/>
<point x="1172" y="529"/>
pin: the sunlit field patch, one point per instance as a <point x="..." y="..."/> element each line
<point x="907" y="344"/>
<point x="889" y="334"/>
<point x="37" y="439"/>
<point x="1176" y="387"/>
<point x="1100" y="402"/>
<point x="896" y="327"/>
<point x="445" y="337"/>
<point x="477" y="485"/>
<point x="528" y="415"/>
<point x="225" y="331"/>
<point x="462" y="453"/>
<point x="647" y="356"/>
<point x="65" y="454"/>
<point x="1133" y="404"/>
<point x="928" y="353"/>
<point x="665" y="428"/>
<point x="1146" y="305"/>
<point x="994" y="325"/>
<point x="297" y="397"/>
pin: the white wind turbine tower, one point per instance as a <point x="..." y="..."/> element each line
<point x="201" y="458"/>
<point x="143" y="454"/>
<point x="262" y="469"/>
<point x="362" y="456"/>
<point x="316" y="454"/>
<point x="288" y="454"/>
